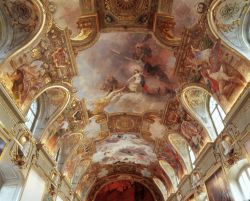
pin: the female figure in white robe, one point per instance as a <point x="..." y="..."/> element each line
<point x="136" y="82"/>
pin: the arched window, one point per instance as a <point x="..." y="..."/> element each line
<point x="32" y="115"/>
<point x="192" y="156"/>
<point x="217" y="115"/>
<point x="244" y="183"/>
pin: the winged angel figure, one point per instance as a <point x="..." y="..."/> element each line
<point x="218" y="74"/>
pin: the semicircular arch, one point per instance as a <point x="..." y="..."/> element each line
<point x="195" y="100"/>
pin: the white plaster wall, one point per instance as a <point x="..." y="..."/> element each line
<point x="34" y="188"/>
<point x="11" y="183"/>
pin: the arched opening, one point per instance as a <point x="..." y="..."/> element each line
<point x="11" y="181"/>
<point x="239" y="44"/>
<point x="45" y="108"/>
<point x="203" y="107"/>
<point x="124" y="190"/>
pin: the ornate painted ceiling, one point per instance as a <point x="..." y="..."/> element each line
<point x="123" y="85"/>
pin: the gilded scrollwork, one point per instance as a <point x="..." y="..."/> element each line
<point x="89" y="30"/>
<point x="227" y="20"/>
<point x="163" y="30"/>
<point x="228" y="146"/>
<point x="124" y="123"/>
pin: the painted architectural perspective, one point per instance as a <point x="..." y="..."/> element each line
<point x="124" y="100"/>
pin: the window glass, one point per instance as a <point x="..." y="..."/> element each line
<point x="192" y="156"/>
<point x="212" y="104"/>
<point x="31" y="115"/>
<point x="222" y="113"/>
<point x="217" y="121"/>
<point x="217" y="115"/>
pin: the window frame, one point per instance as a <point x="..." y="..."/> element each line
<point x="219" y="110"/>
<point x="192" y="156"/>
<point x="35" y="115"/>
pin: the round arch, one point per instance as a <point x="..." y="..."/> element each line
<point x="34" y="37"/>
<point x="148" y="183"/>
<point x="195" y="100"/>
<point x="45" y="119"/>
<point x="237" y="39"/>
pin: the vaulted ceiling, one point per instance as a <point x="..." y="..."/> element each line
<point x="123" y="85"/>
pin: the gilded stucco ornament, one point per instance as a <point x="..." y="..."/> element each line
<point x="21" y="151"/>
<point x="229" y="148"/>
<point x="118" y="123"/>
<point x="163" y="30"/>
<point x="88" y="26"/>
<point x="120" y="14"/>
<point x="229" y="21"/>
<point x="27" y="78"/>
<point x="26" y="23"/>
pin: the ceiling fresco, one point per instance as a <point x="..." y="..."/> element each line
<point x="185" y="14"/>
<point x="124" y="91"/>
<point x="66" y="15"/>
<point x="124" y="148"/>
<point x="126" y="69"/>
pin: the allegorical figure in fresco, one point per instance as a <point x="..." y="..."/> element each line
<point x="25" y="79"/>
<point x="143" y="53"/>
<point x="136" y="83"/>
<point x="192" y="133"/>
<point x="219" y="75"/>
<point x="151" y="66"/>
<point x="60" y="61"/>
